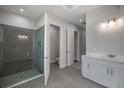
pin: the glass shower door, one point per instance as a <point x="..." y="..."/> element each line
<point x="39" y="49"/>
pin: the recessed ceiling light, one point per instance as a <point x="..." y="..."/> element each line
<point x="22" y="10"/>
<point x="80" y="20"/>
<point x="70" y="7"/>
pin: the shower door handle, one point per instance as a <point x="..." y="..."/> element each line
<point x="46" y="57"/>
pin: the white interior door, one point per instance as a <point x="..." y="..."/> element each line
<point x="70" y="47"/>
<point x="47" y="50"/>
<point x="62" y="48"/>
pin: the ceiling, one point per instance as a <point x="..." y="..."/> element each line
<point x="72" y="13"/>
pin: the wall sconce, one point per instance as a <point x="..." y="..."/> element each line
<point x="111" y="23"/>
<point x="22" y="37"/>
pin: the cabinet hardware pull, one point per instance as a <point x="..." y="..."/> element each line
<point x="88" y="65"/>
<point x="107" y="71"/>
<point x="111" y="72"/>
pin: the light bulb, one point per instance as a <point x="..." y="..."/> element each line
<point x="103" y="25"/>
<point x="19" y="36"/>
<point x="26" y="37"/>
<point x="111" y="23"/>
<point x="23" y="36"/>
<point x="119" y="21"/>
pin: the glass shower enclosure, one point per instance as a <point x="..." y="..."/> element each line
<point x="21" y="55"/>
<point x="39" y="49"/>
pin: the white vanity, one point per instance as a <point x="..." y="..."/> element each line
<point x="106" y="71"/>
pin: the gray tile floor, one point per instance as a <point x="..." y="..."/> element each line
<point x="13" y="79"/>
<point x="69" y="77"/>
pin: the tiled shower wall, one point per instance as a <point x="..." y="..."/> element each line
<point x="1" y="43"/>
<point x="17" y="53"/>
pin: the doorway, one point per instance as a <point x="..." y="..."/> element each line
<point x="55" y="45"/>
<point x="76" y="47"/>
<point x="72" y="47"/>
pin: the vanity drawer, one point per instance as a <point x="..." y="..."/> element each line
<point x="117" y="65"/>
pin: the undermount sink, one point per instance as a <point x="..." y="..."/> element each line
<point x="111" y="56"/>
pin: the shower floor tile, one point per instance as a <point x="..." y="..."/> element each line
<point x="19" y="78"/>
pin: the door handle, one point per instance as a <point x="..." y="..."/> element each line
<point x="111" y="72"/>
<point x="46" y="57"/>
<point x="88" y="65"/>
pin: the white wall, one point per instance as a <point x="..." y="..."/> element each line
<point x="109" y="40"/>
<point x="40" y="21"/>
<point x="122" y="31"/>
<point x="10" y="18"/>
<point x="13" y="19"/>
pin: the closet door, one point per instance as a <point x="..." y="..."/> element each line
<point x="70" y="47"/>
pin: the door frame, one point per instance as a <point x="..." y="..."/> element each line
<point x="67" y="48"/>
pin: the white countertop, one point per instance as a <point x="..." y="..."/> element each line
<point x="104" y="57"/>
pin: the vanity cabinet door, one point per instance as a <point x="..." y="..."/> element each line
<point x="85" y="68"/>
<point x="96" y="70"/>
<point x="114" y="73"/>
<point x="100" y="72"/>
<point x="121" y="81"/>
<point x="117" y="77"/>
